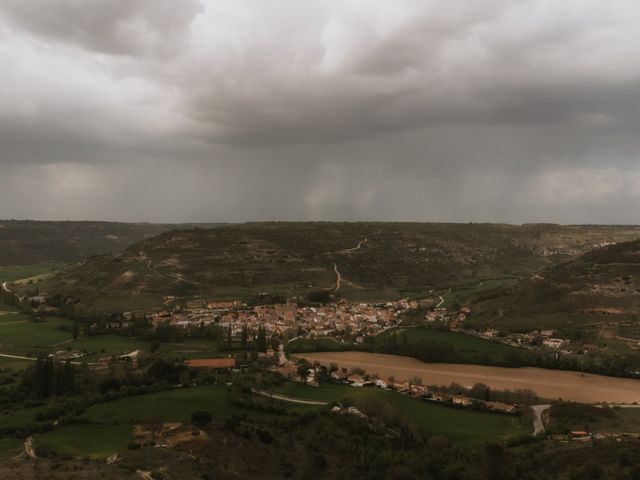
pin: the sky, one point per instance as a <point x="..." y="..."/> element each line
<point x="244" y="110"/>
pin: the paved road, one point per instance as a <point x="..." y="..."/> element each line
<point x="338" y="279"/>
<point x="441" y="301"/>
<point x="538" y="424"/>
<point x="287" y="399"/>
<point x="282" y="358"/>
<point x="17" y="357"/>
<point x="28" y="448"/>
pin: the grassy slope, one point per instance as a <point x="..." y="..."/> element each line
<point x="294" y="258"/>
<point x="93" y="441"/>
<point x="566" y="295"/>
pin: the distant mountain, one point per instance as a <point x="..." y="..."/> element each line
<point x="603" y="285"/>
<point x="372" y="260"/>
<point x="27" y="242"/>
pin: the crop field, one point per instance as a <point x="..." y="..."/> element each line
<point x="465" y="346"/>
<point x="105" y="345"/>
<point x="170" y="405"/>
<point x="429" y="418"/>
<point x="86" y="440"/>
<point x="11" y="274"/>
<point x="9" y="447"/>
<point x="21" y="337"/>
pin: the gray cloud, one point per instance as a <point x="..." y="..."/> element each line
<point x="223" y="110"/>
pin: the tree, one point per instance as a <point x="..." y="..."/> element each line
<point x="229" y="338"/>
<point x="75" y="331"/>
<point x="201" y="418"/>
<point x="154" y="347"/>
<point x="244" y="336"/>
<point x="261" y="340"/>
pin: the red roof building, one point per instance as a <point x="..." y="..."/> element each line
<point x="211" y="363"/>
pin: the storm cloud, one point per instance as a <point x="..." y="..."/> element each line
<point x="228" y="110"/>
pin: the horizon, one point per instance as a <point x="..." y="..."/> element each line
<point x="213" y="222"/>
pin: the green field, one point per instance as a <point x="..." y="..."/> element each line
<point x="11" y="274"/>
<point x="170" y="405"/>
<point x="86" y="440"/>
<point x="573" y="416"/>
<point x="460" y="295"/>
<point x="105" y="345"/>
<point x="26" y="336"/>
<point x="465" y="426"/>
<point x="9" y="447"/>
<point x="464" y="348"/>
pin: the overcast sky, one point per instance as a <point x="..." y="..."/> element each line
<point x="238" y="110"/>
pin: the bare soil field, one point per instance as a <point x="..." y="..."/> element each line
<point x="549" y="384"/>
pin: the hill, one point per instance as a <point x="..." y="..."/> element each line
<point x="25" y="242"/>
<point x="601" y="286"/>
<point x="353" y="260"/>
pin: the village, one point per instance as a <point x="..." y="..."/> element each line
<point x="344" y="321"/>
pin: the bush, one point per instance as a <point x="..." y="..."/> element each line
<point x="201" y="418"/>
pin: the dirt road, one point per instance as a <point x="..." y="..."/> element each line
<point x="550" y="384"/>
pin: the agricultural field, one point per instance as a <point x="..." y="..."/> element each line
<point x="23" y="337"/>
<point x="106" y="345"/>
<point x="429" y="418"/>
<point x="461" y="347"/>
<point x="86" y="440"/>
<point x="170" y="405"/>
<point x="9" y="447"/>
<point x="26" y="272"/>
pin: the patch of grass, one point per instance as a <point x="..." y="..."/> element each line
<point x="466" y="348"/>
<point x="460" y="295"/>
<point x="105" y="345"/>
<point x="9" y="447"/>
<point x="26" y="336"/>
<point x="170" y="406"/>
<point x="86" y="440"/>
<point x="13" y="273"/>
<point x="465" y="426"/>
<point x="574" y="416"/>
<point x="14" y="364"/>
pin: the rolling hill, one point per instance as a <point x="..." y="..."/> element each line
<point x="371" y="260"/>
<point x="25" y="242"/>
<point x="601" y="286"/>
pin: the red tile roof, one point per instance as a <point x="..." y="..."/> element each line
<point x="211" y="363"/>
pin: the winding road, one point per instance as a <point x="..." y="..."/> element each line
<point x="338" y="278"/>
<point x="538" y="424"/>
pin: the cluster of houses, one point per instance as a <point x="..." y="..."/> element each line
<point x="454" y="320"/>
<point x="422" y="392"/>
<point x="342" y="320"/>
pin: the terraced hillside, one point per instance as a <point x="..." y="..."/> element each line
<point x="601" y="286"/>
<point x="369" y="260"/>
<point x="29" y="242"/>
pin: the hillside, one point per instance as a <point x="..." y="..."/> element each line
<point x="601" y="286"/>
<point x="371" y="260"/>
<point x="24" y="242"/>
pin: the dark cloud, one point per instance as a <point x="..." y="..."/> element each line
<point x="390" y="109"/>
<point x="120" y="27"/>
